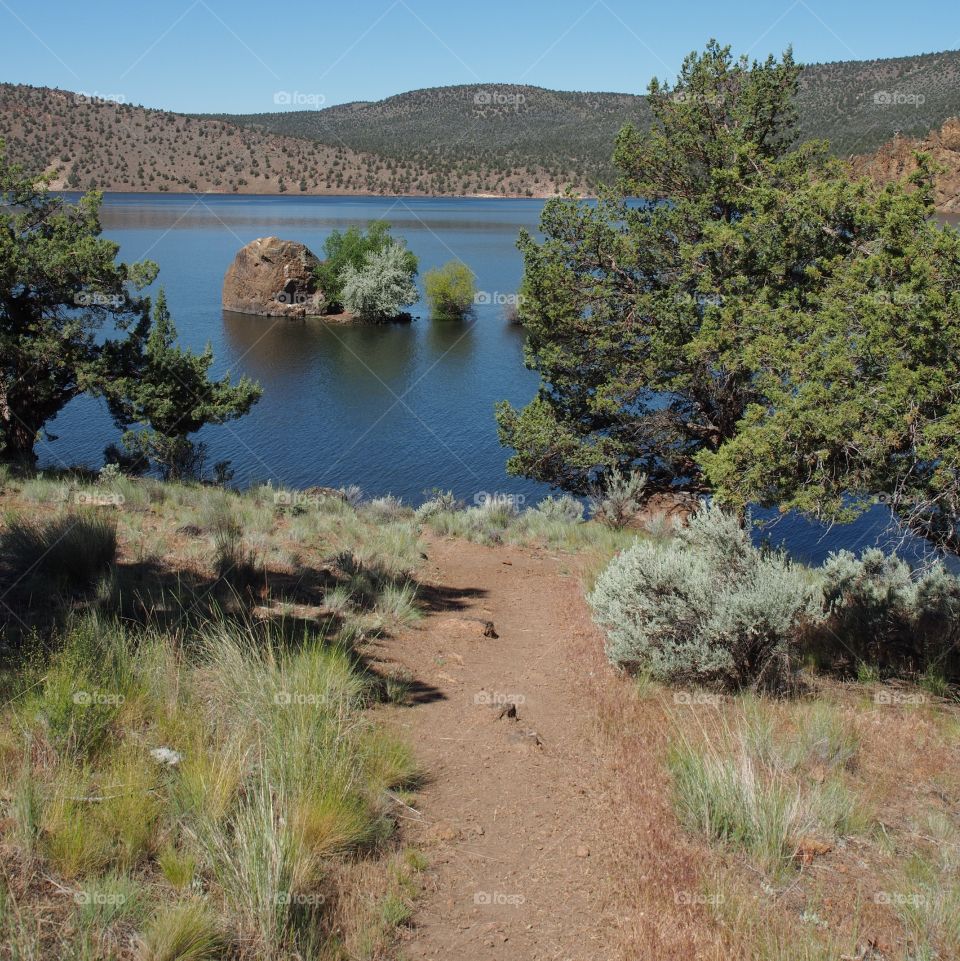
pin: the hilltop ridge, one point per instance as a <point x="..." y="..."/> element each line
<point x="492" y="139"/>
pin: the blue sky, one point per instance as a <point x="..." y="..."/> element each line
<point x="246" y="56"/>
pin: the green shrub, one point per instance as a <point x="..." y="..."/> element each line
<point x="351" y="249"/>
<point x="439" y="502"/>
<point x="450" y="290"/>
<point x="706" y="608"/>
<point x="383" y="510"/>
<point x="72" y="549"/>
<point x="890" y="617"/>
<point x="564" y="508"/>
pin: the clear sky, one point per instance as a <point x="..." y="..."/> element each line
<point x="258" y="55"/>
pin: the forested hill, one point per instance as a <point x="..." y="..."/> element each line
<point x="857" y="105"/>
<point x="89" y="142"/>
<point x="493" y="139"/>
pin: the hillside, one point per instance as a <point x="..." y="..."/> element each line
<point x="859" y="105"/>
<point x="93" y="143"/>
<point x="455" y="129"/>
<point x="462" y="130"/>
<point x="494" y="139"/>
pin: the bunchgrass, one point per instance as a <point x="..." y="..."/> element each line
<point x="70" y="550"/>
<point x="185" y="931"/>
<point x="497" y="522"/>
<point x="222" y="766"/>
<point x="742" y="785"/>
<point x="397" y="604"/>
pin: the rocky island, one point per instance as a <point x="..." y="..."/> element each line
<point x="273" y="278"/>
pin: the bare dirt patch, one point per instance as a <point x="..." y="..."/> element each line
<point x="521" y="819"/>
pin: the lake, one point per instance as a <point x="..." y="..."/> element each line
<point x="397" y="409"/>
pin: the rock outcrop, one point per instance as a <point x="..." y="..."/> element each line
<point x="895" y="161"/>
<point x="273" y="278"/>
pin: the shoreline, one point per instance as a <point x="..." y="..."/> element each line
<point x="307" y="195"/>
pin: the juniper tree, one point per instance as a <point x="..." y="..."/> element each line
<point x="759" y="325"/>
<point x="71" y="317"/>
<point x="172" y="396"/>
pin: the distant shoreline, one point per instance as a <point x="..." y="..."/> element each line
<point x="306" y="195"/>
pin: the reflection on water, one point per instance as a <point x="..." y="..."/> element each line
<point x="224" y="212"/>
<point x="399" y="409"/>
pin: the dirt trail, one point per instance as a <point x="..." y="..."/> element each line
<point x="515" y="822"/>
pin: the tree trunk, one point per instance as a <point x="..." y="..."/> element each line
<point x="20" y="425"/>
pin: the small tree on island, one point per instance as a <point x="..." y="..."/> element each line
<point x="383" y="287"/>
<point x="60" y="287"/>
<point x="764" y="327"/>
<point x="450" y="290"/>
<point x="171" y="397"/>
<point x="352" y="248"/>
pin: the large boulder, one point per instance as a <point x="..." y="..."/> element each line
<point x="273" y="278"/>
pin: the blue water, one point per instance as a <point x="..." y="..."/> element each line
<point x="395" y="409"/>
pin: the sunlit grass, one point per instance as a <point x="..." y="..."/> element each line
<point x="741" y="782"/>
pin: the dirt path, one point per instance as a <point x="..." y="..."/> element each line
<point x="515" y="823"/>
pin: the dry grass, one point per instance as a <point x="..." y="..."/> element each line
<point x="189" y="858"/>
<point x="883" y="883"/>
<point x="277" y="791"/>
